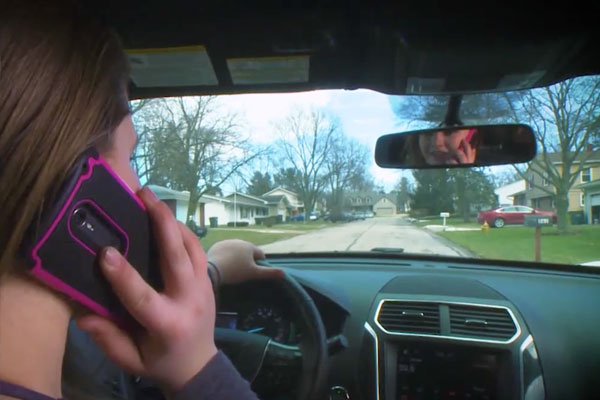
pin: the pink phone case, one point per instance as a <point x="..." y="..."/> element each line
<point x="94" y="209"/>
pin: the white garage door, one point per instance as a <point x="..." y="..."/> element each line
<point x="385" y="211"/>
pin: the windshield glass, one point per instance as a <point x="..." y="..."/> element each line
<point x="295" y="173"/>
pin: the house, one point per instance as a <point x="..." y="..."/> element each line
<point x="361" y="201"/>
<point x="384" y="206"/>
<point x="208" y="205"/>
<point x="591" y="201"/>
<point x="511" y="194"/>
<point x="177" y="201"/>
<point x="380" y="204"/>
<point x="245" y="208"/>
<point x="539" y="199"/>
<point x="279" y="205"/>
<point x="295" y="204"/>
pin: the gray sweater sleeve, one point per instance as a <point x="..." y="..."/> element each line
<point x="218" y="380"/>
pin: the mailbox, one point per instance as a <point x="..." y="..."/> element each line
<point x="537" y="221"/>
<point x="444" y="214"/>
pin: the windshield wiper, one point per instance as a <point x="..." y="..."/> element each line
<point x="394" y="250"/>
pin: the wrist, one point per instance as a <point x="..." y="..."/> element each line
<point x="177" y="383"/>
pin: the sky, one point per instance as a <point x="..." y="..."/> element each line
<point x="364" y="115"/>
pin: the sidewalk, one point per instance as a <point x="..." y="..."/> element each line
<point x="449" y="228"/>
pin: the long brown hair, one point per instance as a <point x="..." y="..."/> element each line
<point x="63" y="80"/>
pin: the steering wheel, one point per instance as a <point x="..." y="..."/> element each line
<point x="253" y="353"/>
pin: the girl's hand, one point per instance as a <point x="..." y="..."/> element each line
<point x="178" y="336"/>
<point x="464" y="154"/>
<point x="461" y="151"/>
<point x="236" y="261"/>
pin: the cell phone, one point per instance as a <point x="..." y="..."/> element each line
<point x="472" y="132"/>
<point x="93" y="209"/>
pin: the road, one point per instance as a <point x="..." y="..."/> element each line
<point x="367" y="234"/>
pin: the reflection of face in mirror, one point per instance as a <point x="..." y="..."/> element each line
<point x="457" y="147"/>
<point x="448" y="148"/>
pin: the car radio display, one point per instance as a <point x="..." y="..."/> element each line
<point x="446" y="373"/>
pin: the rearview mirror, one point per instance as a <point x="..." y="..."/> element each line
<point x="457" y="146"/>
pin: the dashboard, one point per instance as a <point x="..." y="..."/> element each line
<point x="433" y="328"/>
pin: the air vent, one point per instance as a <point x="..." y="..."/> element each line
<point x="409" y="317"/>
<point x="481" y="322"/>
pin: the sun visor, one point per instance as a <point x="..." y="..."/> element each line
<point x="265" y="70"/>
<point x="171" y="67"/>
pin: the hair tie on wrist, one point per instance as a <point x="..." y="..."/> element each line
<point x="217" y="273"/>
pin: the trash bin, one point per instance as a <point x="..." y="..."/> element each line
<point x="214" y="222"/>
<point x="577" y="218"/>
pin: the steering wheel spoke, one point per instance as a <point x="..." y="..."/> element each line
<point x="282" y="355"/>
<point x="246" y="351"/>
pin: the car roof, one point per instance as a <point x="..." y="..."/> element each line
<point x="243" y="46"/>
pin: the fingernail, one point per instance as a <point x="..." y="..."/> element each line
<point x="112" y="259"/>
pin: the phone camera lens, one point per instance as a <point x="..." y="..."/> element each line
<point x="79" y="217"/>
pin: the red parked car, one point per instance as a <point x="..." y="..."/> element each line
<point x="510" y="215"/>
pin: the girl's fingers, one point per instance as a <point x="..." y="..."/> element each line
<point x="117" y="345"/>
<point x="470" y="153"/>
<point x="175" y="263"/>
<point x="139" y="298"/>
<point x="460" y="154"/>
<point x="258" y="253"/>
<point x="268" y="273"/>
<point x="194" y="250"/>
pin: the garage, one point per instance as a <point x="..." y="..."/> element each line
<point x="590" y="201"/>
<point x="384" y="207"/>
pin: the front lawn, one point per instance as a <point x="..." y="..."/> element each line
<point x="582" y="244"/>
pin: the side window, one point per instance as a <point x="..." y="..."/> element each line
<point x="586" y="175"/>
<point x="545" y="181"/>
<point x="509" y="209"/>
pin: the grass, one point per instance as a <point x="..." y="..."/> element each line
<point x="258" y="238"/>
<point x="288" y="226"/>
<point x="581" y="244"/>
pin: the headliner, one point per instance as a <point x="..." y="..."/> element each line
<point x="394" y="48"/>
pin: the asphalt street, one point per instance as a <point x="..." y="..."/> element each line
<point x="391" y="232"/>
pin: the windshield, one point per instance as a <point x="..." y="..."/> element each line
<point x="295" y="173"/>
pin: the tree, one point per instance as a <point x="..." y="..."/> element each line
<point x="288" y="178"/>
<point x="505" y="177"/>
<point x="345" y="167"/>
<point x="192" y="145"/>
<point x="259" y="184"/>
<point x="404" y="192"/>
<point x="431" y="110"/>
<point x="566" y="121"/>
<point x="453" y="190"/>
<point x="305" y="137"/>
<point x="434" y="191"/>
<point x="473" y="189"/>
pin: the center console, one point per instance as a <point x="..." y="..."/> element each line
<point x="440" y="347"/>
<point x="431" y="371"/>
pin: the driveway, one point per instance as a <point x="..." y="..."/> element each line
<point x="365" y="235"/>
